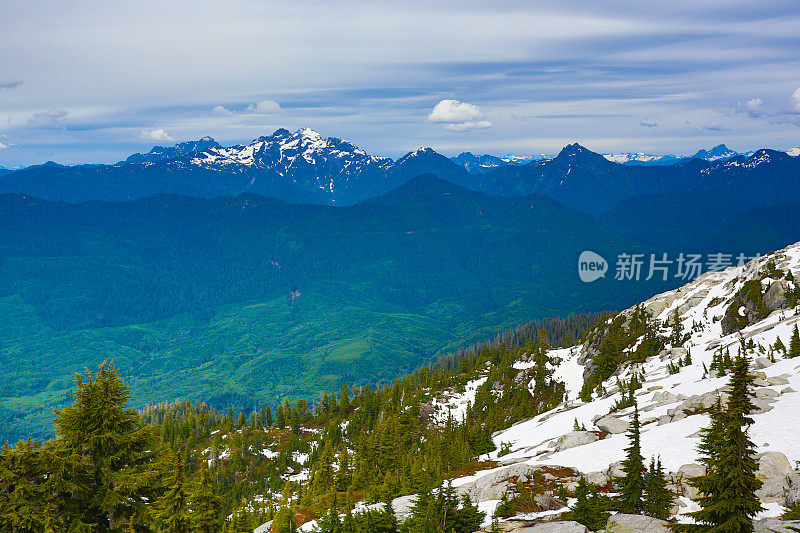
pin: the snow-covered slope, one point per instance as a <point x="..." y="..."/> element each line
<point x="302" y="157"/>
<point x="670" y="403"/>
<point x="717" y="153"/>
<point x="640" y="158"/>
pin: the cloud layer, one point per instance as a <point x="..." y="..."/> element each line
<point x="618" y="76"/>
<point x="50" y="116"/>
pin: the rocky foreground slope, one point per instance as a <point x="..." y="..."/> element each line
<point x="751" y="308"/>
<point x="673" y="397"/>
<point x="672" y="400"/>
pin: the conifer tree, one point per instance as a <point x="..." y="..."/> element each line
<point x="794" y="343"/>
<point x="344" y="402"/>
<point x="343" y="474"/>
<point x="172" y="507"/>
<point x="115" y="448"/>
<point x="631" y="484"/>
<point x="587" y="510"/>
<point x="26" y="488"/>
<point x="206" y="504"/>
<point x="779" y="346"/>
<point x="728" y="498"/>
<point x="657" y="497"/>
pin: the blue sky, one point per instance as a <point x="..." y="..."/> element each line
<point x="93" y="81"/>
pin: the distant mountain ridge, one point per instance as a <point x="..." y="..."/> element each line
<point x="588" y="181"/>
<point x="487" y="162"/>
<point x="299" y="167"/>
<point x="304" y="167"/>
<point x="160" y="153"/>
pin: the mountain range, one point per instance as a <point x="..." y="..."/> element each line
<point x="304" y="167"/>
<point x="299" y="167"/>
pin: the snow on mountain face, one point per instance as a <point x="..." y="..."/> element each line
<point x="160" y="153"/>
<point x="281" y="150"/>
<point x="715" y="154"/>
<point x="478" y="164"/>
<point x="672" y="397"/>
<point x="302" y="157"/>
<point x="794" y="152"/>
<point x="640" y="158"/>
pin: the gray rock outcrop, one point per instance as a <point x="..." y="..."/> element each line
<point x="612" y="424"/>
<point x="632" y="523"/>
<point x="556" y="527"/>
<point x="575" y="438"/>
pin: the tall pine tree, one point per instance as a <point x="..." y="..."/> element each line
<point x="116" y="450"/>
<point x="728" y="498"/>
<point x="631" y="484"/>
<point x="206" y="504"/>
<point x="588" y="510"/>
<point x="172" y="510"/>
<point x="657" y="496"/>
<point x="794" y="343"/>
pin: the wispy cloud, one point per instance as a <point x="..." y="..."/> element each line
<point x="3" y="146"/>
<point x="753" y="107"/>
<point x="10" y="84"/>
<point x="648" y="123"/>
<point x="795" y="101"/>
<point x="51" y="116"/>
<point x="221" y="110"/>
<point x="156" y="135"/>
<point x="265" y="107"/>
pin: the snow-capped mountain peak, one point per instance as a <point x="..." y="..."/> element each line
<point x="715" y="154"/>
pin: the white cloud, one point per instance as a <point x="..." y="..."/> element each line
<point x="51" y="116"/>
<point x="156" y="135"/>
<point x="221" y="110"/>
<point x="753" y="107"/>
<point x="648" y="123"/>
<point x="458" y="116"/>
<point x="3" y="146"/>
<point x="265" y="107"/>
<point x="795" y="99"/>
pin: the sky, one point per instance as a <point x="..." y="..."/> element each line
<point x="93" y="81"/>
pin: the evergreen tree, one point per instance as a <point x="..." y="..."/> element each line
<point x="344" y="402"/>
<point x="466" y="519"/>
<point x="423" y="515"/>
<point x="631" y="484"/>
<point x="794" y="343"/>
<point x="779" y="346"/>
<point x="657" y="497"/>
<point x="115" y="448"/>
<point x="588" y="510"/>
<point x="172" y="510"/>
<point x="728" y="498"/>
<point x="27" y="486"/>
<point x="206" y="504"/>
<point x="284" y="522"/>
